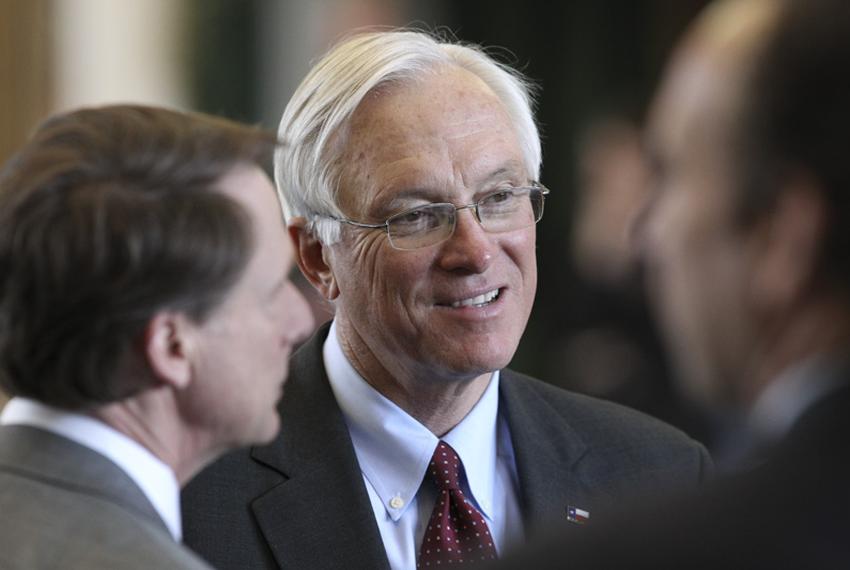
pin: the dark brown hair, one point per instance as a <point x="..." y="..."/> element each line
<point x="107" y="216"/>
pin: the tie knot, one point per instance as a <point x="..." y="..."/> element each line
<point x="445" y="467"/>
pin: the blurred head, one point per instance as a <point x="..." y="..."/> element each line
<point x="390" y="121"/>
<point x="746" y="140"/>
<point x="127" y="234"/>
<point x="240" y="352"/>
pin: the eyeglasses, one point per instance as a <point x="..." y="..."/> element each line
<point x="504" y="210"/>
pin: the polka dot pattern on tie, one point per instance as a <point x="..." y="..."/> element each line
<point x="456" y="532"/>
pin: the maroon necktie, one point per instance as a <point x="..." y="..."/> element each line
<point x="456" y="531"/>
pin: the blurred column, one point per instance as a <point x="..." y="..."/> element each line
<point x="60" y="54"/>
<point x="109" y="51"/>
<point x="25" y="84"/>
<point x="24" y="69"/>
<point x="293" y="34"/>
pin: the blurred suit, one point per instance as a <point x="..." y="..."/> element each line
<point x="793" y="511"/>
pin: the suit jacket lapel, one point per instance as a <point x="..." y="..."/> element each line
<point x="320" y="516"/>
<point x="547" y="452"/>
<point x="63" y="463"/>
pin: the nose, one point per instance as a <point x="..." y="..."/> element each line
<point x="470" y="248"/>
<point x="298" y="322"/>
<point x="643" y="230"/>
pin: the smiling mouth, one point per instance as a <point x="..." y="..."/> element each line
<point x="478" y="301"/>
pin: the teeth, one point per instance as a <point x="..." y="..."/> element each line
<point x="477" y="301"/>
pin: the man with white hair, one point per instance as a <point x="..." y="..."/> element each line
<point x="410" y="179"/>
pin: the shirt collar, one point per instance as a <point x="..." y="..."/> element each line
<point x="394" y="449"/>
<point x="796" y="389"/>
<point x="156" y="479"/>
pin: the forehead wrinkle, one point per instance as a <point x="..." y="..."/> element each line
<point x="468" y="126"/>
<point x="394" y="144"/>
<point x="414" y="181"/>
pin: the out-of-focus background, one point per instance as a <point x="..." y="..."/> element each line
<point x="595" y="61"/>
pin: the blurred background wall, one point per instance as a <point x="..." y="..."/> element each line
<point x="595" y="61"/>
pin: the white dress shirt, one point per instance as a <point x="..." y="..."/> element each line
<point x="394" y="450"/>
<point x="156" y="479"/>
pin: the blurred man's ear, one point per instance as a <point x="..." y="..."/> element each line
<point x="168" y="346"/>
<point x="791" y="236"/>
<point x="311" y="256"/>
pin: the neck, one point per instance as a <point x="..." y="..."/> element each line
<point x="439" y="408"/>
<point x="152" y="420"/>
<point x="820" y="327"/>
<point x="438" y="399"/>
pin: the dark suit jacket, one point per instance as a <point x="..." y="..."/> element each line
<point x="63" y="505"/>
<point x="300" y="502"/>
<point x="791" y="512"/>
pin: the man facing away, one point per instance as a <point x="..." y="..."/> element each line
<point x="146" y="319"/>
<point x="410" y="180"/>
<point x="747" y="242"/>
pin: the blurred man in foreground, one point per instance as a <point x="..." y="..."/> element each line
<point x="146" y="319"/>
<point x="411" y="186"/>
<point x="747" y="241"/>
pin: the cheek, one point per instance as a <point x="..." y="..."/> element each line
<point x="254" y="339"/>
<point x="357" y="262"/>
<point x="704" y="289"/>
<point x="687" y="279"/>
<point x="519" y="249"/>
<point x="373" y="275"/>
<point x="678" y="270"/>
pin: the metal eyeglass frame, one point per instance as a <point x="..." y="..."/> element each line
<point x="385" y="225"/>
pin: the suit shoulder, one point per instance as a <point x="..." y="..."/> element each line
<point x="83" y="530"/>
<point x="607" y="427"/>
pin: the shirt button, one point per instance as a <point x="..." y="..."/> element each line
<point x="396" y="502"/>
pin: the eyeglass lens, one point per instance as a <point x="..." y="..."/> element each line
<point x="499" y="212"/>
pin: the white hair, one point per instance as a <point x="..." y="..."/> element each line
<point x="307" y="169"/>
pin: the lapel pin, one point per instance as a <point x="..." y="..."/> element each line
<point x="576" y="515"/>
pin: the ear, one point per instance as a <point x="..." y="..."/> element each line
<point x="791" y="237"/>
<point x="167" y="347"/>
<point x="312" y="258"/>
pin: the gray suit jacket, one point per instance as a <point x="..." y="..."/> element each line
<point x="65" y="506"/>
<point x="300" y="502"/>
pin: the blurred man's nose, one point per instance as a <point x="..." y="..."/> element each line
<point x="300" y="322"/>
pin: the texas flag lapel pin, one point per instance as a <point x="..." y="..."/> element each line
<point x="576" y="515"/>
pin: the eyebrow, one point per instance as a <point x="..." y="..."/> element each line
<point x="513" y="170"/>
<point x="400" y="202"/>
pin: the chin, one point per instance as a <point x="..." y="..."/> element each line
<point x="477" y="362"/>
<point x="267" y="432"/>
<point x="497" y="355"/>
